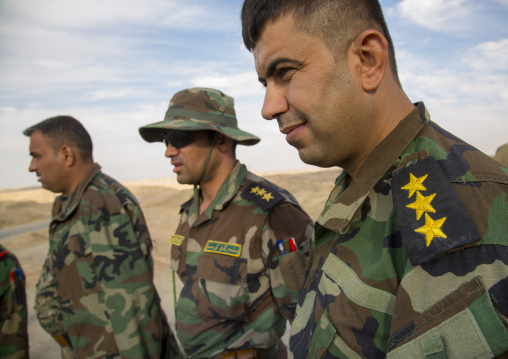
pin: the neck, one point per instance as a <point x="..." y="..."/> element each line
<point x="390" y="107"/>
<point x="76" y="176"/>
<point x="213" y="181"/>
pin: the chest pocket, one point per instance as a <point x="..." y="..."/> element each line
<point x="220" y="287"/>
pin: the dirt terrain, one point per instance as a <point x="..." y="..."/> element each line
<point x="25" y="213"/>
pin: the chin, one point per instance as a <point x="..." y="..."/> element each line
<point x="316" y="161"/>
<point x="311" y="159"/>
<point x="182" y="180"/>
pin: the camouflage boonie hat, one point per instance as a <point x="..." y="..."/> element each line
<point x="199" y="109"/>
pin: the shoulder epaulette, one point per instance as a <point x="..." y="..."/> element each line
<point x="263" y="195"/>
<point x="429" y="214"/>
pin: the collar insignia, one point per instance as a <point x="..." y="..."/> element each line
<point x="429" y="214"/>
<point x="264" y="196"/>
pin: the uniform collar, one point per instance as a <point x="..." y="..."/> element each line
<point x="226" y="192"/>
<point x="64" y="205"/>
<point x="345" y="201"/>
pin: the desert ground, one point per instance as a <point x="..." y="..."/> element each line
<point x="25" y="214"/>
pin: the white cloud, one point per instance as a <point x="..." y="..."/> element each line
<point x="242" y="84"/>
<point x="439" y="15"/>
<point x="90" y="14"/>
<point x="115" y="64"/>
<point x="489" y="57"/>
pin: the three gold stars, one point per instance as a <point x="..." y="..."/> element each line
<point x="421" y="205"/>
<point x="262" y="192"/>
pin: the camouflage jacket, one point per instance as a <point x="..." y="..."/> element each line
<point x="96" y="294"/>
<point x="13" y="320"/>
<point x="238" y="289"/>
<point x="411" y="259"/>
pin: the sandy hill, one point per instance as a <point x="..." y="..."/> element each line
<point x="24" y="214"/>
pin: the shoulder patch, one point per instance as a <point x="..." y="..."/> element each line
<point x="429" y="213"/>
<point x="264" y="196"/>
<point x="176" y="239"/>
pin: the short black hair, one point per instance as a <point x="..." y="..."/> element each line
<point x="65" y="130"/>
<point x="337" y="22"/>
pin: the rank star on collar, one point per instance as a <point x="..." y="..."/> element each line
<point x="264" y="196"/>
<point x="422" y="204"/>
<point x="268" y="196"/>
<point x="262" y="193"/>
<point x="432" y="229"/>
<point x="415" y="184"/>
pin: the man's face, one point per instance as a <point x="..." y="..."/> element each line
<point x="48" y="165"/>
<point x="315" y="97"/>
<point x="189" y="160"/>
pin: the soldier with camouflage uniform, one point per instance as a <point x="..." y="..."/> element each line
<point x="239" y="287"/>
<point x="96" y="295"/>
<point x="410" y="254"/>
<point x="13" y="320"/>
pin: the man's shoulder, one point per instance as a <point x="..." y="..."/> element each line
<point x="446" y="200"/>
<point x="264" y="193"/>
<point x="104" y="189"/>
<point x="7" y="259"/>
<point x="459" y="160"/>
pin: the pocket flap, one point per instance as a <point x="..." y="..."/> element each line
<point x="221" y="268"/>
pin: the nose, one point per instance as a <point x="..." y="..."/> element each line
<point x="170" y="151"/>
<point x="275" y="103"/>
<point x="33" y="166"/>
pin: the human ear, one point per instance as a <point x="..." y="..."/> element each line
<point x="225" y="142"/>
<point x="67" y="155"/>
<point x="372" y="48"/>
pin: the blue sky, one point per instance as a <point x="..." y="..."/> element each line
<point x="114" y="65"/>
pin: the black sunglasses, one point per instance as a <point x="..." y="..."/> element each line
<point x="178" y="139"/>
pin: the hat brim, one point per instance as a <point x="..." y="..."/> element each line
<point x="154" y="132"/>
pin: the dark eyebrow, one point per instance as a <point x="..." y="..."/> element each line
<point x="272" y="67"/>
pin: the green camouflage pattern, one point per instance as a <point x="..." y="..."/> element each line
<point x="199" y="109"/>
<point x="13" y="314"/>
<point x="238" y="289"/>
<point x="96" y="294"/>
<point x="410" y="258"/>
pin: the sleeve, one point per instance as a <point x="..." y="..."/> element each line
<point x="48" y="304"/>
<point x="453" y="298"/>
<point x="287" y="266"/>
<point x="459" y="306"/>
<point x="13" y="314"/>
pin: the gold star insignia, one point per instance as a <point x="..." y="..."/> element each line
<point x="432" y="229"/>
<point x="422" y="204"/>
<point x="261" y="192"/>
<point x="415" y="184"/>
<point x="254" y="190"/>
<point x="268" y="196"/>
